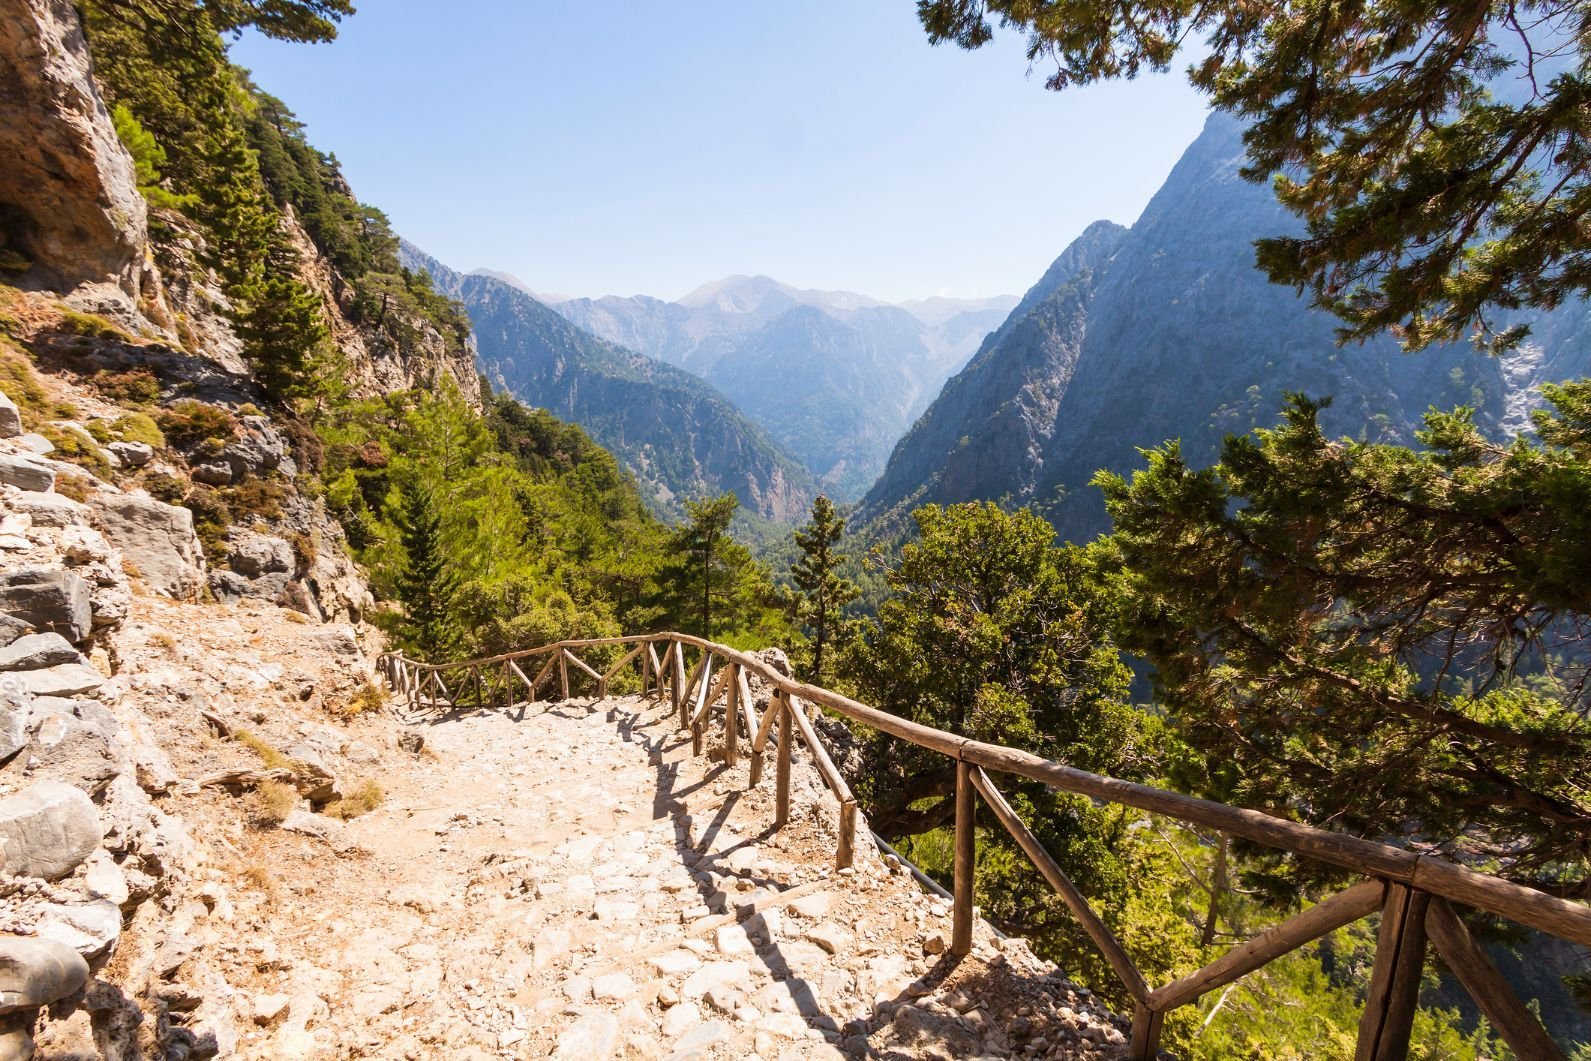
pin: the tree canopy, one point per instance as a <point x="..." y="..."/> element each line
<point x="1436" y="152"/>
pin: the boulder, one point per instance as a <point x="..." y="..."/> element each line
<point x="69" y="679"/>
<point x="48" y="599"/>
<point x="316" y="783"/>
<point x="132" y="454"/>
<point x="47" y="830"/>
<point x="12" y="628"/>
<point x="16" y="705"/>
<point x="76" y="751"/>
<point x="88" y="928"/>
<point x="35" y="972"/>
<point x="253" y="555"/>
<point x="51" y="510"/>
<point x="215" y="473"/>
<point x="33" y="651"/>
<point x="26" y="473"/>
<point x="256" y="449"/>
<point x="10" y="418"/>
<point x="157" y="538"/>
<point x="36" y="443"/>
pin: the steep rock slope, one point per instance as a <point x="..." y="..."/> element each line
<point x="1178" y="336"/>
<point x="833" y="376"/>
<point x="678" y="435"/>
<point x="70" y="213"/>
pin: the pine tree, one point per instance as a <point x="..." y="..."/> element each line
<point x="823" y="594"/>
<point x="426" y="585"/>
<point x="712" y="564"/>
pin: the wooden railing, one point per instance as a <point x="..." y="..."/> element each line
<point x="1414" y="892"/>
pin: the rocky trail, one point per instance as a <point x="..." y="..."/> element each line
<point x="567" y="880"/>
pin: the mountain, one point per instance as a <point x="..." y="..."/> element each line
<point x="1167" y="331"/>
<point x="833" y="376"/>
<point x="679" y="436"/>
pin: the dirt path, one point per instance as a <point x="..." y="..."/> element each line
<point x="558" y="879"/>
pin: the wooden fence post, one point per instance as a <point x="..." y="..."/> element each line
<point x="732" y="715"/>
<point x="563" y="671"/>
<point x="781" y="800"/>
<point x="965" y="854"/>
<point x="1394" y="992"/>
<point x="845" y="856"/>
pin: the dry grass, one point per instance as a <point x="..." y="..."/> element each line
<point x="368" y="697"/>
<point x="295" y="617"/>
<point x="273" y="759"/>
<point x="263" y="881"/>
<point x="364" y="799"/>
<point x="273" y="801"/>
<point x="160" y="639"/>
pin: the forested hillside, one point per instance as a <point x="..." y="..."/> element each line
<point x="678" y="436"/>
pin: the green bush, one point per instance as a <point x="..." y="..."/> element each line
<point x="90" y="326"/>
<point x="192" y="425"/>
<point x="76" y="446"/>
<point x="135" y="387"/>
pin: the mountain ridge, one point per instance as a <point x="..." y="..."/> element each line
<point x="676" y="433"/>
<point x="1179" y="336"/>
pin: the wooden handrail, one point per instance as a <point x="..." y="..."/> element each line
<point x="1411" y="888"/>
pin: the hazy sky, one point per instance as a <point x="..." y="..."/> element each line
<point x="597" y="147"/>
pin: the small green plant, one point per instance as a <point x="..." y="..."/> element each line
<point x="249" y="409"/>
<point x="194" y="425"/>
<point x="136" y="386"/>
<point x="167" y="488"/>
<point x="212" y="517"/>
<point x="368" y="697"/>
<point x="90" y="325"/>
<point x="364" y="799"/>
<point x="273" y="759"/>
<point x="76" y="446"/>
<point x="256" y="498"/>
<point x="22" y="385"/>
<point x="75" y="487"/>
<point x="138" y="427"/>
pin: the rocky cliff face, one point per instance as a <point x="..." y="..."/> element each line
<point x="1174" y="334"/>
<point x="679" y="436"/>
<point x="70" y="212"/>
<point x="143" y="468"/>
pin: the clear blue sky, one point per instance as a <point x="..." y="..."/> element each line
<point x="595" y="147"/>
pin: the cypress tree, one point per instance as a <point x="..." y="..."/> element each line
<point x="426" y="584"/>
<point x="823" y="592"/>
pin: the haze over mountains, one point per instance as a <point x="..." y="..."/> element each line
<point x="833" y="376"/>
<point x="1166" y="330"/>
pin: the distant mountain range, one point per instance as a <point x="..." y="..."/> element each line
<point x="1166" y="330"/>
<point x="677" y="434"/>
<point x="833" y="376"/>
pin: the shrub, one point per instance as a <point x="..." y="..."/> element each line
<point x="138" y="427"/>
<point x="167" y="488"/>
<point x="75" y="445"/>
<point x="274" y="801"/>
<point x="256" y="498"/>
<point x="212" y="518"/>
<point x="194" y="425"/>
<point x="75" y="487"/>
<point x="273" y="759"/>
<point x="368" y="697"/>
<point x="135" y="387"/>
<point x="21" y="384"/>
<point x="364" y="799"/>
<point x="90" y="326"/>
